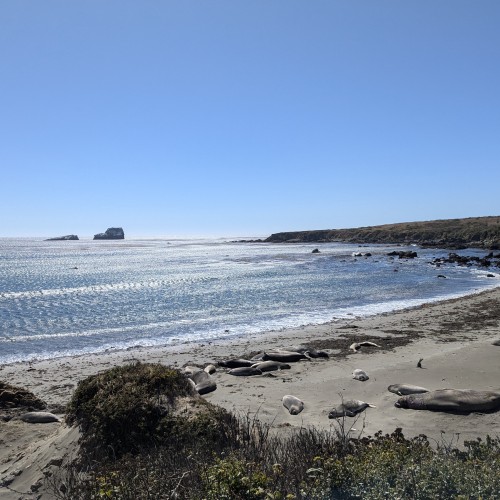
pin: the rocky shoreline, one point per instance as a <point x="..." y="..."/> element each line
<point x="474" y="232"/>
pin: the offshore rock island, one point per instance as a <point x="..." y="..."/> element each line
<point x="112" y="233"/>
<point x="68" y="237"/>
<point x="475" y="232"/>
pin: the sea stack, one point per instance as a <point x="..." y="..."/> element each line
<point x="68" y="237"/>
<point x="112" y="233"/>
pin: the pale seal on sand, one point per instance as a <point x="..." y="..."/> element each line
<point x="453" y="400"/>
<point x="270" y="366"/>
<point x="358" y="345"/>
<point x="284" y="356"/>
<point x="203" y="383"/>
<point x="189" y="370"/>
<point x="235" y="363"/>
<point x="210" y="369"/>
<point x="405" y="389"/>
<point x="349" y="409"/>
<point x="292" y="404"/>
<point x="360" y="375"/>
<point x="244" y="371"/>
<point x="39" y="417"/>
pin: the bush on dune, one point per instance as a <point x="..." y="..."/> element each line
<point x="134" y="407"/>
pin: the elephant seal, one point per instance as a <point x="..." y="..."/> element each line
<point x="349" y="409"/>
<point x="235" y="363"/>
<point x="453" y="400"/>
<point x="358" y="345"/>
<point x="39" y="417"/>
<point x="245" y="371"/>
<point x="203" y="383"/>
<point x="405" y="389"/>
<point x="210" y="369"/>
<point x="311" y="352"/>
<point x="360" y="375"/>
<point x="270" y="366"/>
<point x="189" y="370"/>
<point x="496" y="342"/>
<point x="293" y="405"/>
<point x="284" y="356"/>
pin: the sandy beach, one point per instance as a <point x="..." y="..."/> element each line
<point x="453" y="337"/>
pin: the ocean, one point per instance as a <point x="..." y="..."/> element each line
<point x="62" y="298"/>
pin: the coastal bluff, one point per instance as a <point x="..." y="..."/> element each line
<point x="478" y="232"/>
<point x="112" y="233"/>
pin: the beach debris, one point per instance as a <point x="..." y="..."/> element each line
<point x="349" y="408"/>
<point x="361" y="375"/>
<point x="292" y="404"/>
<point x="17" y="397"/>
<point x="358" y="345"/>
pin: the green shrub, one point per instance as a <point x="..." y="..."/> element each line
<point x="157" y="439"/>
<point x="132" y="407"/>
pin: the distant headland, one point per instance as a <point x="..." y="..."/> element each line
<point x="478" y="232"/>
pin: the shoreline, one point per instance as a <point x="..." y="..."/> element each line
<point x="356" y="313"/>
<point x="454" y="338"/>
<point x="334" y="336"/>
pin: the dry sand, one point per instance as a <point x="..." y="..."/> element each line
<point x="453" y="337"/>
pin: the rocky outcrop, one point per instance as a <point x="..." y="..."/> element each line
<point x="112" y="233"/>
<point x="489" y="260"/>
<point x="403" y="255"/>
<point x="63" y="238"/>
<point x="479" y="232"/>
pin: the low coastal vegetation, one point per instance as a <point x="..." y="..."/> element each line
<point x="146" y="434"/>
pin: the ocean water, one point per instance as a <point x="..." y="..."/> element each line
<point x="74" y="297"/>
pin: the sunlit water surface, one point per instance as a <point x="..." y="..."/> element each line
<point x="59" y="298"/>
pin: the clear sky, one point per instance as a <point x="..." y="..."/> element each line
<point x="243" y="118"/>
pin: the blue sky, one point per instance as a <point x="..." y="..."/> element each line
<point x="242" y="118"/>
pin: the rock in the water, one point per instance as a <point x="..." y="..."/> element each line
<point x="403" y="255"/>
<point x="68" y="237"/>
<point x="112" y="233"/>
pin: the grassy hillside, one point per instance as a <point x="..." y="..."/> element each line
<point x="481" y="232"/>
